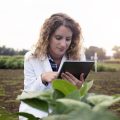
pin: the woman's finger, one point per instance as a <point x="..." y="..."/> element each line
<point x="67" y="77"/>
<point x="82" y="77"/>
<point x="71" y="76"/>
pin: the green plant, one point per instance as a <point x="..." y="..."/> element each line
<point x="69" y="103"/>
<point x="5" y="115"/>
<point x="11" y="62"/>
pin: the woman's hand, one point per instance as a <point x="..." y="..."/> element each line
<point x="49" y="76"/>
<point x="72" y="79"/>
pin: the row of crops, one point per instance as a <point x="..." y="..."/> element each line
<point x="17" y="62"/>
<point x="11" y="62"/>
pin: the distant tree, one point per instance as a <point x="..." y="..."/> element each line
<point x="116" y="50"/>
<point x="22" y="52"/>
<point x="7" y="51"/>
<point x="91" y="51"/>
<point x="10" y="51"/>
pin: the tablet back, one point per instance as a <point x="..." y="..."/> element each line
<point x="76" y="68"/>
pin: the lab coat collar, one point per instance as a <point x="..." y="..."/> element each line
<point x="47" y="66"/>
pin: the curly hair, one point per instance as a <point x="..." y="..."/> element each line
<point x="49" y="27"/>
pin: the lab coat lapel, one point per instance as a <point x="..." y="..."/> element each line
<point x="46" y="65"/>
<point x="62" y="61"/>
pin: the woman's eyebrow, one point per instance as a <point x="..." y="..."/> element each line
<point x="63" y="36"/>
<point x="69" y="36"/>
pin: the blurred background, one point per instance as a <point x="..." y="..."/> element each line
<point x="20" y="21"/>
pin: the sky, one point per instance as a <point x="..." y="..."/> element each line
<point x="20" y="21"/>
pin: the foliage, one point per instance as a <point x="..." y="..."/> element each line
<point x="8" y="62"/>
<point x="108" y="66"/>
<point x="66" y="102"/>
<point x="10" y="51"/>
<point x="16" y="62"/>
<point x="5" y="115"/>
<point x="116" y="49"/>
<point x="105" y="68"/>
<point x="91" y="51"/>
<point x="112" y="65"/>
<point x="112" y="61"/>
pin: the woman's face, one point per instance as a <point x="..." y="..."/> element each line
<point x="60" y="42"/>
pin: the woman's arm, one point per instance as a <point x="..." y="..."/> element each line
<point x="32" y="82"/>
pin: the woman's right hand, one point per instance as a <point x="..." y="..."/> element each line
<point x="49" y="76"/>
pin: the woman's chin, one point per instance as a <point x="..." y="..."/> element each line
<point x="60" y="55"/>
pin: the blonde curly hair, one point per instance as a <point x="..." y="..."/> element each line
<point x="49" y="27"/>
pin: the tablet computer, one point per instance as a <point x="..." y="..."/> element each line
<point x="76" y="68"/>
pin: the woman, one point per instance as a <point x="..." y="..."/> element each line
<point x="60" y="39"/>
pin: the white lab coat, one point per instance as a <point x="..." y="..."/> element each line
<point x="33" y="68"/>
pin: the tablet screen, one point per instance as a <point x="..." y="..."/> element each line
<point x="76" y="68"/>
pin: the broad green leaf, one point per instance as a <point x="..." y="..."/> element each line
<point x="83" y="114"/>
<point x="97" y="99"/>
<point x="38" y="100"/>
<point x="56" y="117"/>
<point x="57" y="94"/>
<point x="63" y="86"/>
<point x="102" y="101"/>
<point x="43" y="95"/>
<point x="74" y="95"/>
<point x="65" y="106"/>
<point x="36" y="103"/>
<point x="88" y="114"/>
<point x="84" y="98"/>
<point x="85" y="88"/>
<point x="29" y="116"/>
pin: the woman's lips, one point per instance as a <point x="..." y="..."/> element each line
<point x="61" y="49"/>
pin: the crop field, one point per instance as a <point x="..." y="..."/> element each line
<point x="11" y="85"/>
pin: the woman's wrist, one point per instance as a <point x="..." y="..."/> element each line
<point x="43" y="80"/>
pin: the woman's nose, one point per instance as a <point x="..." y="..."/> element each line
<point x="63" y="43"/>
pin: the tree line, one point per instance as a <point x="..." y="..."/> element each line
<point x="10" y="51"/>
<point x="101" y="53"/>
<point x="89" y="52"/>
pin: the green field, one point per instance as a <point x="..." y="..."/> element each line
<point x="11" y="85"/>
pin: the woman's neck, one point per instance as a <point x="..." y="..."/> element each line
<point x="57" y="60"/>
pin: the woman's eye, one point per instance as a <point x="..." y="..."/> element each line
<point x="68" y="39"/>
<point x="58" y="37"/>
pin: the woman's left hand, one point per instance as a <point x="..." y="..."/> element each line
<point x="72" y="79"/>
